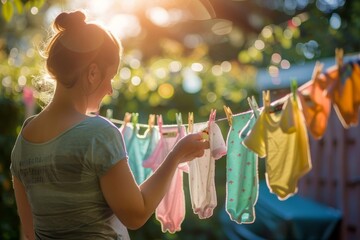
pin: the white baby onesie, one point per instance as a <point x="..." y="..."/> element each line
<point x="202" y="170"/>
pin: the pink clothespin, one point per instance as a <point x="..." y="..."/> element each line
<point x="212" y="115"/>
<point x="159" y="121"/>
<point x="206" y="132"/>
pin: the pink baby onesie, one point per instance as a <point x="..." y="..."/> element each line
<point x="171" y="210"/>
<point x="202" y="170"/>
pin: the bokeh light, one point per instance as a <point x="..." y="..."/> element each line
<point x="191" y="81"/>
<point x="166" y="90"/>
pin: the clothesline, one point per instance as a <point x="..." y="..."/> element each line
<point x="317" y="70"/>
<point x="117" y="121"/>
<point x="278" y="101"/>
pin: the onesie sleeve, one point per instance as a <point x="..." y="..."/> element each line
<point x="106" y="149"/>
<point x="217" y="143"/>
<point x="287" y="121"/>
<point x="255" y="140"/>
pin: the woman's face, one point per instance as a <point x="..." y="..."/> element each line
<point x="103" y="88"/>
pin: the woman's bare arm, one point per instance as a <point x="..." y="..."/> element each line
<point x="24" y="209"/>
<point x="134" y="204"/>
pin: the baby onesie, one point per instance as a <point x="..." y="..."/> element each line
<point x="282" y="139"/>
<point x="171" y="210"/>
<point x="241" y="171"/>
<point x="355" y="77"/>
<point x="317" y="107"/>
<point x="139" y="148"/>
<point x="202" y="170"/>
<point x="341" y="92"/>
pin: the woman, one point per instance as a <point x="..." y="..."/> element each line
<point x="70" y="171"/>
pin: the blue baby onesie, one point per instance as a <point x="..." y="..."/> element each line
<point x="139" y="148"/>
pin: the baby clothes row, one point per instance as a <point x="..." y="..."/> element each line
<point x="282" y="138"/>
<point x="241" y="171"/>
<point x="202" y="170"/>
<point x="171" y="210"/>
<point x="146" y="152"/>
<point x="338" y="87"/>
<point x="139" y="148"/>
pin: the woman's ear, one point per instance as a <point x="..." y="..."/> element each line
<point x="93" y="73"/>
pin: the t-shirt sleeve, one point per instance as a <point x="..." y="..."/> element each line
<point x="255" y="140"/>
<point x="16" y="153"/>
<point x="107" y="148"/>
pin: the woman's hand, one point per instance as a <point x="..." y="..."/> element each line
<point x="191" y="146"/>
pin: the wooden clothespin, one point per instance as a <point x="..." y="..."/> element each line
<point x="339" y="57"/>
<point x="345" y="70"/>
<point x="127" y="118"/>
<point x="151" y="121"/>
<point x="316" y="73"/>
<point x="294" y="87"/>
<point x="253" y="105"/>
<point x="190" y="122"/>
<point x="317" y="70"/>
<point x="229" y="114"/>
<point x="266" y="99"/>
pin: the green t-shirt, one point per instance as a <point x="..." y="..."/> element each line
<point x="61" y="179"/>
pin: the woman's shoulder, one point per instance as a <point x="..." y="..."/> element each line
<point x="101" y="125"/>
<point x="99" y="128"/>
<point x="99" y="121"/>
<point x="28" y="119"/>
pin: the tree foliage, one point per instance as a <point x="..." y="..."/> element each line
<point x="172" y="79"/>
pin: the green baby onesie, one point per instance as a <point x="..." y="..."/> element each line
<point x="241" y="171"/>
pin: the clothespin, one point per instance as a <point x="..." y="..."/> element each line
<point x="253" y="105"/>
<point x="212" y="116"/>
<point x="160" y="123"/>
<point x="228" y="113"/>
<point x="339" y="57"/>
<point x="134" y="119"/>
<point x="151" y="121"/>
<point x="206" y="132"/>
<point x="178" y="119"/>
<point x="294" y="88"/>
<point x="109" y="113"/>
<point x="266" y="99"/>
<point x="317" y="70"/>
<point x="316" y="73"/>
<point x="159" y="120"/>
<point x="190" y="122"/>
<point x="127" y="118"/>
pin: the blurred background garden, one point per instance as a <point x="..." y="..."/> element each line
<point x="179" y="56"/>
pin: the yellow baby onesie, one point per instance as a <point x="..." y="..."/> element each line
<point x="281" y="138"/>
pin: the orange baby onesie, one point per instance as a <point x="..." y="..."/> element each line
<point x="342" y="96"/>
<point x="355" y="77"/>
<point x="316" y="106"/>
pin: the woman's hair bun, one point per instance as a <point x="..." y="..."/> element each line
<point x="69" y="20"/>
